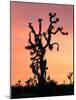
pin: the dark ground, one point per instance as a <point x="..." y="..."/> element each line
<point x="41" y="91"/>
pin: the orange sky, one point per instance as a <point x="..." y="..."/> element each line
<point x="59" y="63"/>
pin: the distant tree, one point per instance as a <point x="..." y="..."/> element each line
<point x="69" y="76"/>
<point x="38" y="48"/>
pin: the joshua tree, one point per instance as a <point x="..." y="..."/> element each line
<point x="38" y="48"/>
<point x="69" y="76"/>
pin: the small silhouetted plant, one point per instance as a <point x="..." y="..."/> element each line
<point x="69" y="76"/>
<point x="31" y="82"/>
<point x="19" y="83"/>
<point x="34" y="81"/>
<point x="52" y="82"/>
<point x="48" y="78"/>
<point x="64" y="82"/>
<point x="38" y="48"/>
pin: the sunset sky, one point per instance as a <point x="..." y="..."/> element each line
<point x="59" y="63"/>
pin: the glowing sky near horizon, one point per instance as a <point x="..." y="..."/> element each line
<point x="59" y="63"/>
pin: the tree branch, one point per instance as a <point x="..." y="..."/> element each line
<point x="64" y="33"/>
<point x="58" y="29"/>
<point x="55" y="43"/>
<point x="40" y="25"/>
<point x="31" y="27"/>
<point x="44" y="34"/>
<point x="55" y="21"/>
<point x="52" y="15"/>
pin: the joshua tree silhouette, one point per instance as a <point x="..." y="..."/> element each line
<point x="38" y="48"/>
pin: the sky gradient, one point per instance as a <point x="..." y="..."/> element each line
<point x="59" y="63"/>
